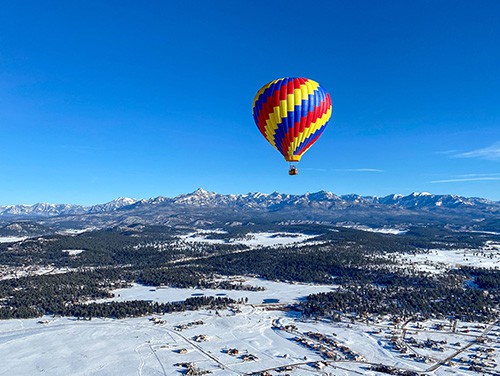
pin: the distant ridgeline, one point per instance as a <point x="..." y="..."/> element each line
<point x="208" y="207"/>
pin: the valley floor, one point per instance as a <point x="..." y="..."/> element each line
<point x="259" y="335"/>
<point x="279" y="339"/>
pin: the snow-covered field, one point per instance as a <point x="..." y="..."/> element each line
<point x="439" y="260"/>
<point x="11" y="239"/>
<point x="8" y="272"/>
<point x="263" y="239"/>
<point x="73" y="252"/>
<point x="75" y="231"/>
<point x="274" y="291"/>
<point x="137" y="346"/>
<point x="381" y="230"/>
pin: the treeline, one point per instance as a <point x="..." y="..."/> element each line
<point x="137" y="308"/>
<point x="440" y="302"/>
<point x="156" y="246"/>
<point x="357" y="260"/>
<point x="486" y="279"/>
<point x="67" y="293"/>
<point x="444" y="295"/>
<point x="184" y="277"/>
<point x="111" y="247"/>
<point x="102" y="247"/>
<point x="120" y="310"/>
<point x="175" y="277"/>
<point x="38" y="295"/>
<point x="437" y="236"/>
<point x="325" y="263"/>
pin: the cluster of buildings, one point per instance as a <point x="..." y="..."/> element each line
<point x="157" y="321"/>
<point x="427" y="344"/>
<point x="393" y="370"/>
<point x="181" y="327"/>
<point x="288" y="327"/>
<point x="236" y="352"/>
<point x="327" y="346"/>
<point x="345" y="350"/>
<point x="191" y="369"/>
<point x="481" y="358"/>
<point x="477" y="359"/>
<point x="279" y="370"/>
<point x="420" y="358"/>
<point x="327" y="353"/>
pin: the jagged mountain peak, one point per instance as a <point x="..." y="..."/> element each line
<point x="323" y="195"/>
<point x="125" y="200"/>
<point x="201" y="192"/>
<point x="115" y="204"/>
<point x="199" y="197"/>
<point x="420" y="194"/>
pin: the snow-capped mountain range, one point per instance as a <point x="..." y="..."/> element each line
<point x="204" y="199"/>
<point x="49" y="210"/>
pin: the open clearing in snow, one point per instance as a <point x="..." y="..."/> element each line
<point x="257" y="239"/>
<point x="441" y="260"/>
<point x="11" y="239"/>
<point x="137" y="346"/>
<point x="274" y="291"/>
<point x="381" y="230"/>
<point x="73" y="252"/>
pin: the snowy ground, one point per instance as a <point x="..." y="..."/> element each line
<point x="75" y="231"/>
<point x="258" y="239"/>
<point x="8" y="272"/>
<point x="382" y="230"/>
<point x="255" y="240"/>
<point x="136" y="346"/>
<point x="274" y="292"/>
<point x="73" y="252"/>
<point x="11" y="239"/>
<point x="439" y="260"/>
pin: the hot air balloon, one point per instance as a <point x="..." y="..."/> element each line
<point x="291" y="113"/>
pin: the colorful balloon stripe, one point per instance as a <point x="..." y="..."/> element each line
<point x="291" y="113"/>
<point x="293" y="133"/>
<point x="307" y="143"/>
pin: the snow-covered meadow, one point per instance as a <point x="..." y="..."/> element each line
<point x="138" y="346"/>
<point x="277" y="292"/>
<point x="440" y="260"/>
<point x="380" y="230"/>
<point x="257" y="239"/>
<point x="11" y="239"/>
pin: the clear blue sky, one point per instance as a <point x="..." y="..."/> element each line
<point x="100" y="99"/>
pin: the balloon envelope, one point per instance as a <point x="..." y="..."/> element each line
<point x="291" y="113"/>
